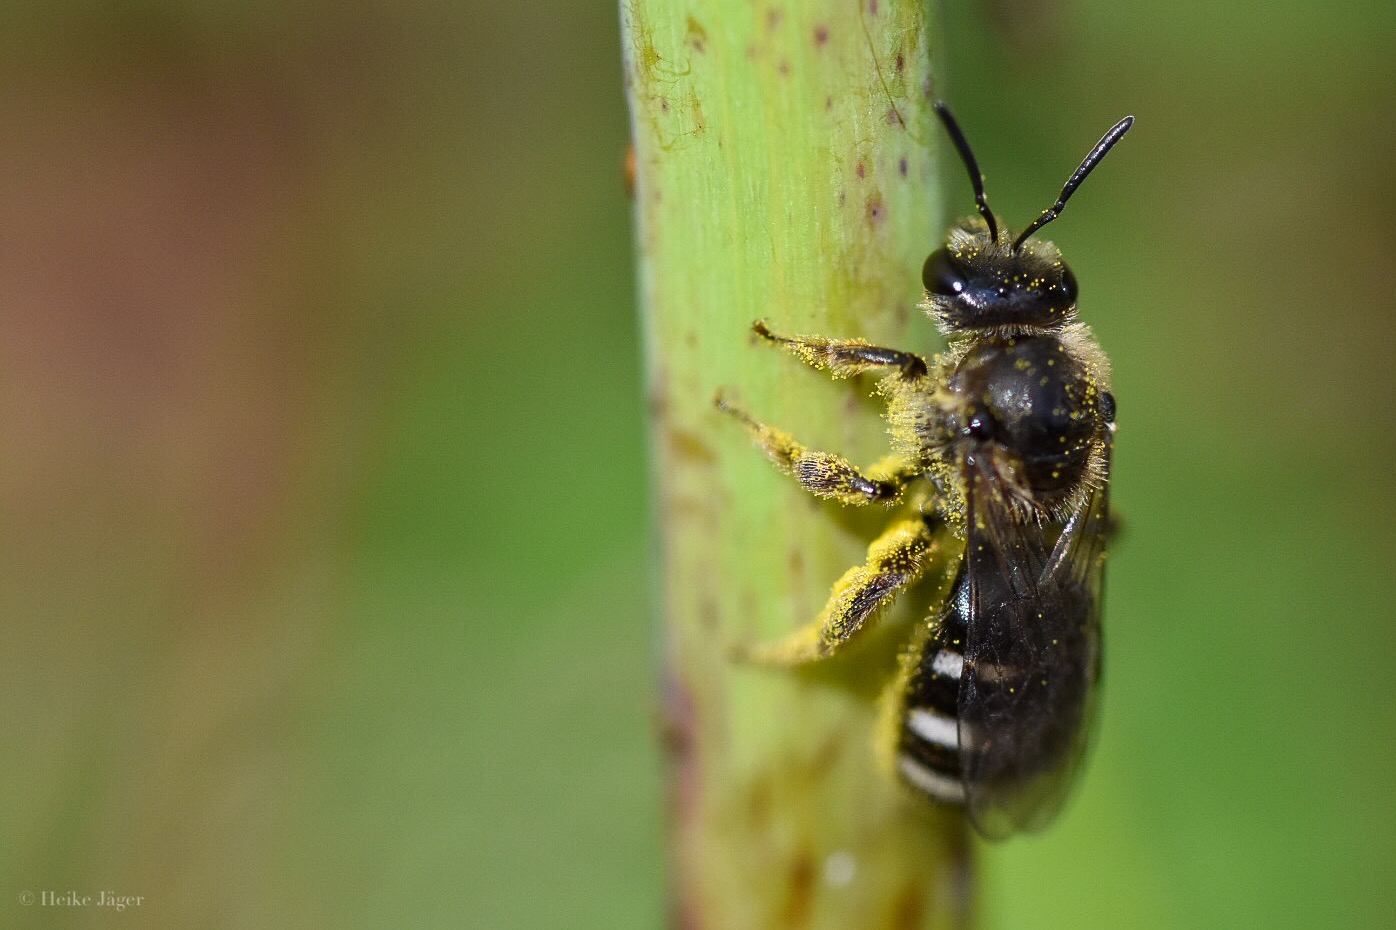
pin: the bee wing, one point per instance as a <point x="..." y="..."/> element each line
<point x="1079" y="554"/>
<point x="1032" y="655"/>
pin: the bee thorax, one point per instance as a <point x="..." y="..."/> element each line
<point x="1032" y="408"/>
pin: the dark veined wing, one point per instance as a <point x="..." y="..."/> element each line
<point x="1032" y="654"/>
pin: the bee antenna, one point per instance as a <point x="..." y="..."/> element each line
<point x="1093" y="158"/>
<point x="976" y="178"/>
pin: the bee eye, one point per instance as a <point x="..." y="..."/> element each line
<point x="942" y="275"/>
<point x="1068" y="285"/>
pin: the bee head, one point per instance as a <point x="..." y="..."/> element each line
<point x="981" y="281"/>
<point x="975" y="283"/>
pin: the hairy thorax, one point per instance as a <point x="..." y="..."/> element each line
<point x="1031" y="407"/>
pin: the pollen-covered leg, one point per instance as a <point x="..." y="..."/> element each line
<point x="895" y="559"/>
<point x="823" y="473"/>
<point x="847" y="357"/>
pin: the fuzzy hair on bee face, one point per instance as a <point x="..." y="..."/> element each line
<point x="976" y="285"/>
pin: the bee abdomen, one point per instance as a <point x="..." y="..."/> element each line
<point x="931" y="748"/>
<point x="928" y="748"/>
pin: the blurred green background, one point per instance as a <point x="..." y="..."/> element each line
<point x="324" y="541"/>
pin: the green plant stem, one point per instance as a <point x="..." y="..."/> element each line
<point x="782" y="171"/>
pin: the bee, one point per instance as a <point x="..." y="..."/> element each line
<point x="1001" y="446"/>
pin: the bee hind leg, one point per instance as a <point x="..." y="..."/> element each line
<point x="897" y="558"/>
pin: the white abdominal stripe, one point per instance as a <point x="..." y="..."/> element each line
<point x="947" y="788"/>
<point x="948" y="663"/>
<point x="934" y="727"/>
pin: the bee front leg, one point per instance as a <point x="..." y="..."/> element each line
<point x="897" y="558"/>
<point x="823" y="473"/>
<point x="844" y="358"/>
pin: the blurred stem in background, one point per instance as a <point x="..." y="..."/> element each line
<point x="782" y="170"/>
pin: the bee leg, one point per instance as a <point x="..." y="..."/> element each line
<point x="897" y="558"/>
<point x="891" y="705"/>
<point x="848" y="357"/>
<point x="823" y="473"/>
